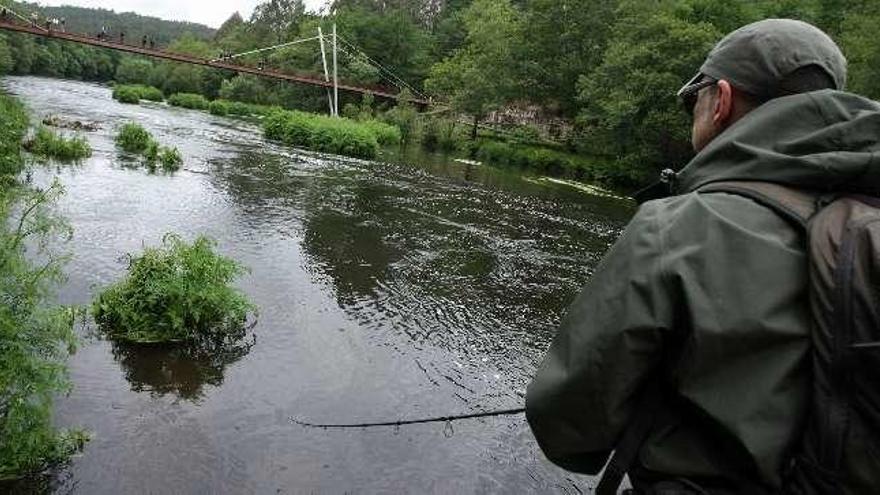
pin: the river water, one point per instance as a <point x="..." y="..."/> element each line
<point x="407" y="287"/>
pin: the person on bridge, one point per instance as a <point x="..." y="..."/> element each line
<point x="122" y="37"/>
<point x="63" y="25"/>
<point x="144" y="41"/>
<point x="152" y="44"/>
<point x="34" y="19"/>
<point x="689" y="351"/>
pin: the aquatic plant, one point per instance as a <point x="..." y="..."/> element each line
<point x="177" y="292"/>
<point x="321" y="133"/>
<point x="133" y="93"/>
<point x="133" y="138"/>
<point x="35" y="335"/>
<point x="47" y="143"/>
<point x="189" y="100"/>
<point x="170" y="159"/>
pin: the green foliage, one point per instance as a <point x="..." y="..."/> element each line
<point x="36" y="336"/>
<point x="133" y="70"/>
<point x="13" y="126"/>
<point x="170" y="159"/>
<point x="178" y="292"/>
<point x="219" y="107"/>
<point x="133" y="138"/>
<point x="629" y="115"/>
<point x="482" y="75"/>
<point x="133" y="93"/>
<point x="189" y="100"/>
<point x="326" y="134"/>
<point x="439" y="135"/>
<point x="47" y="143"/>
<point x="386" y="134"/>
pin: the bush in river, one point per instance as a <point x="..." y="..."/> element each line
<point x="320" y="133"/>
<point x="179" y="292"/>
<point x="133" y="138"/>
<point x="133" y="93"/>
<point x="48" y="144"/>
<point x="35" y="336"/>
<point x="189" y="100"/>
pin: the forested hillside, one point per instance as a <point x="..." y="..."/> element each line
<point x="607" y="67"/>
<point x="135" y="26"/>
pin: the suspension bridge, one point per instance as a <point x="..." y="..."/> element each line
<point x="14" y="22"/>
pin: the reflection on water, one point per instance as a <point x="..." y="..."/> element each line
<point x="407" y="287"/>
<point x="181" y="370"/>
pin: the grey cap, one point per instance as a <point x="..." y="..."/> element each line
<point x="757" y="57"/>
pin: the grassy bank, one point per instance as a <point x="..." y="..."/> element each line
<point x="35" y="334"/>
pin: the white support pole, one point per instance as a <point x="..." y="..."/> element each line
<point x="326" y="71"/>
<point x="335" y="76"/>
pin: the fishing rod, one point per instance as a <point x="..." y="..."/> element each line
<point x="439" y="419"/>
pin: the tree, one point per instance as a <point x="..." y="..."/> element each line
<point x="482" y="75"/>
<point x="629" y="113"/>
<point x="278" y="17"/>
<point x="134" y="70"/>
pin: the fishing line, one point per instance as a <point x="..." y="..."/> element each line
<point x="439" y="419"/>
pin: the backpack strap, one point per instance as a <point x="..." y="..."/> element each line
<point x="795" y="205"/>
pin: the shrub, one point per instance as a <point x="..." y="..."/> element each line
<point x="439" y="135"/>
<point x="178" y="292"/>
<point x="219" y="107"/>
<point x="189" y="100"/>
<point x="48" y="144"/>
<point x="170" y="159"/>
<point x="321" y="133"/>
<point x="386" y="134"/>
<point x="133" y="138"/>
<point x="133" y="93"/>
<point x="13" y="126"/>
<point x="35" y="336"/>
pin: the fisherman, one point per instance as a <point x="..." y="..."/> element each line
<point x="688" y="353"/>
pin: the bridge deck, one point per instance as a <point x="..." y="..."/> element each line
<point x="6" y="24"/>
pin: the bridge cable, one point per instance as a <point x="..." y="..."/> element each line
<point x="381" y="67"/>
<point x="273" y="47"/>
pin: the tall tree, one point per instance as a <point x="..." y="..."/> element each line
<point x="482" y="75"/>
<point x="278" y="17"/>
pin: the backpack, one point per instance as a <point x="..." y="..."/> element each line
<point x="838" y="451"/>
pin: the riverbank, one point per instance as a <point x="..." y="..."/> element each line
<point x="363" y="131"/>
<point x="36" y="333"/>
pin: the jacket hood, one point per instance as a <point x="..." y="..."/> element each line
<point x="825" y="140"/>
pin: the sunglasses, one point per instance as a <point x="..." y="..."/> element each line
<point x="689" y="94"/>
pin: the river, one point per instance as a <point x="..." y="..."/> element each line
<point x="406" y="287"/>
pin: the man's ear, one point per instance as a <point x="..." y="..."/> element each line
<point x="723" y="110"/>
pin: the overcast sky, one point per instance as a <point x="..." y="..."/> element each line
<point x="210" y="12"/>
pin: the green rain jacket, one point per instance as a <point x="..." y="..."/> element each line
<point x="707" y="294"/>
